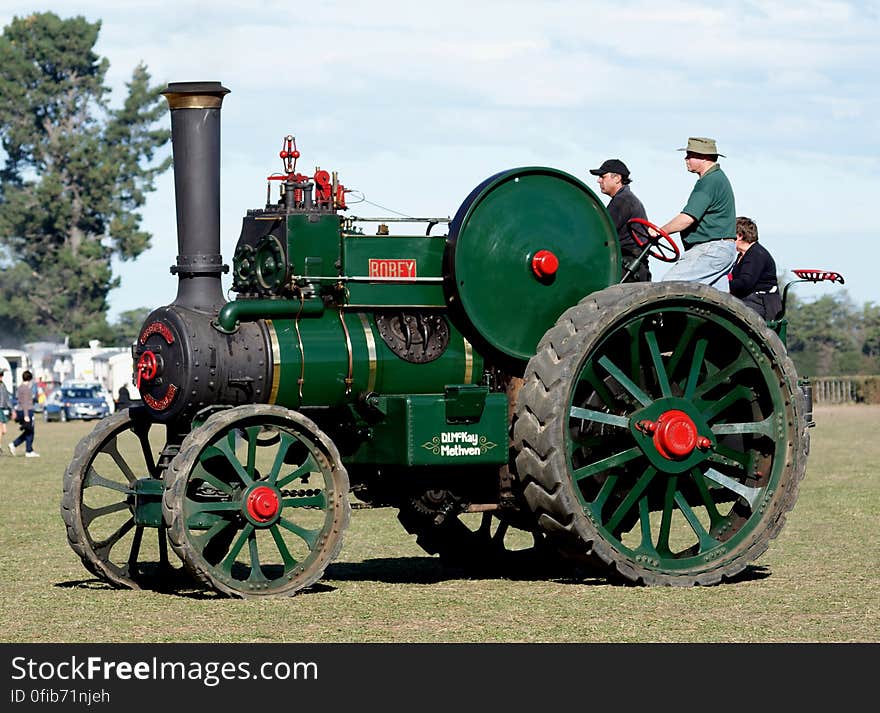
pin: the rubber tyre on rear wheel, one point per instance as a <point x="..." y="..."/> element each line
<point x="599" y="486"/>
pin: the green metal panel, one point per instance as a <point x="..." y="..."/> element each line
<point x="313" y="244"/>
<point x="493" y="238"/>
<point x="148" y="502"/>
<point x="402" y="270"/>
<point x="321" y="347"/>
<point x="416" y="431"/>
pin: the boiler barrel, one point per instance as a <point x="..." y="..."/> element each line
<point x="311" y="365"/>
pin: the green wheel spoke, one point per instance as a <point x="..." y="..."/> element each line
<point x="252" y="433"/>
<point x="131" y="563"/>
<point x="634" y="390"/>
<point x="635" y="362"/>
<point x="657" y="359"/>
<point x="684" y="341"/>
<point x="719" y="406"/>
<point x="89" y="515"/>
<point x="318" y="500"/>
<point x="589" y="376"/>
<point x="284" y="445"/>
<point x="631" y="498"/>
<point x="603" y="495"/>
<point x="647" y="544"/>
<point x="143" y="435"/>
<point x="742" y="361"/>
<point x="666" y="518"/>
<point x="749" y="494"/>
<point x="607" y="463"/>
<point x="93" y="478"/>
<point x="611" y="419"/>
<point x="287" y="558"/>
<point x="229" y="560"/>
<point x="310" y="466"/>
<point x="712" y="509"/>
<point x="226" y="450"/>
<point x="764" y="428"/>
<point x="310" y="537"/>
<point x="199" y="473"/>
<point x="724" y="455"/>
<point x="112" y="449"/>
<point x="256" y="576"/>
<point x="102" y="548"/>
<point x="707" y="542"/>
<point x="203" y="540"/>
<point x="696" y="366"/>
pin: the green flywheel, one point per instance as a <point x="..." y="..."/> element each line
<point x="526" y="244"/>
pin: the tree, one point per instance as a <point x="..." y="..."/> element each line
<point x="871" y="337"/>
<point x="75" y="175"/>
<point x="823" y="335"/>
<point x="127" y="326"/>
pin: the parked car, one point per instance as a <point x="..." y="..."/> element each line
<point x="98" y="387"/>
<point x="75" y="402"/>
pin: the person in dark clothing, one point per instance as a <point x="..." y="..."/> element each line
<point x="753" y="278"/>
<point x="614" y="181"/>
<point x="124" y="400"/>
<point x="24" y="415"/>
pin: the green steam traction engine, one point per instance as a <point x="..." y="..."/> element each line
<point x="495" y="384"/>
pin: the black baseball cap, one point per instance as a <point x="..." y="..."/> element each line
<point x="612" y="165"/>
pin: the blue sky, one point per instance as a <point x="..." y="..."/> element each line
<point x="414" y="104"/>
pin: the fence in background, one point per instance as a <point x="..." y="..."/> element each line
<point x="846" y="389"/>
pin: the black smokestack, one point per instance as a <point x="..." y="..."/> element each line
<point x="195" y="140"/>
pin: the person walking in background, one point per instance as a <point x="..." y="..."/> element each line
<point x="5" y="409"/>
<point x="124" y="399"/>
<point x="707" y="223"/>
<point x="753" y="278"/>
<point x="614" y="181"/>
<point x="24" y="414"/>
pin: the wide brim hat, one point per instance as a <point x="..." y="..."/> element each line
<point x="702" y="145"/>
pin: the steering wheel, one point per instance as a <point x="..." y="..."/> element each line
<point x="663" y="248"/>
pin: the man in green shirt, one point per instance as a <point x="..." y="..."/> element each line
<point x="707" y="223"/>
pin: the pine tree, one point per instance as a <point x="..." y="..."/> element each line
<point x="76" y="172"/>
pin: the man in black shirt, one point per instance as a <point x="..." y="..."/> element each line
<point x="753" y="278"/>
<point x="614" y="181"/>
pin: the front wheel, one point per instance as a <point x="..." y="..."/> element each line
<point x="661" y="432"/>
<point x="256" y="502"/>
<point x="101" y="486"/>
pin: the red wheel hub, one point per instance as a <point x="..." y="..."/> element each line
<point x="545" y="264"/>
<point x="263" y="503"/>
<point x="675" y="435"/>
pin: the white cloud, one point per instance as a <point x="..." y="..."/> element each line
<point x="415" y="103"/>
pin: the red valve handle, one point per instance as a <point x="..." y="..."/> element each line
<point x="289" y="154"/>
<point x="147" y="368"/>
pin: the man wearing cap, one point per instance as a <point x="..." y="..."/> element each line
<point x="614" y="181"/>
<point x="707" y="223"/>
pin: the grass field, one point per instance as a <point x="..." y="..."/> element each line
<point x="819" y="582"/>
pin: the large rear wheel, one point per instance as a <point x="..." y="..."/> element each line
<point x="661" y="432"/>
